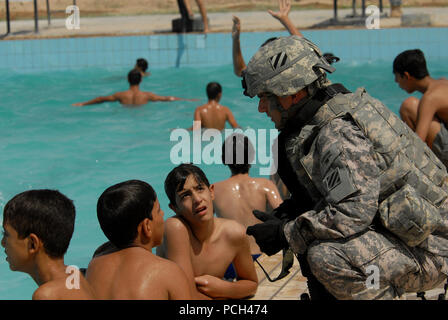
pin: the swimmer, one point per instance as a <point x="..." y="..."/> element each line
<point x="427" y="116"/>
<point x="37" y="228"/>
<point x="237" y="196"/>
<point x="130" y="216"/>
<point x="281" y="15"/>
<point x="212" y="114"/>
<point x="142" y="65"/>
<point x="203" y="245"/>
<point x="132" y="97"/>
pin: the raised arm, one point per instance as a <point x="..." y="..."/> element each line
<point x="282" y="15"/>
<point x="97" y="100"/>
<point x="177" y="249"/>
<point x="238" y="61"/>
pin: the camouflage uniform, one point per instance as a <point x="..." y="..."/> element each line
<point x="344" y="175"/>
<point x="440" y="144"/>
<point x="342" y="239"/>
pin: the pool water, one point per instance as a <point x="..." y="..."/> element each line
<point x="47" y="143"/>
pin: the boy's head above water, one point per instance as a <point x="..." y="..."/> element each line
<point x="142" y="64"/>
<point x="134" y="77"/>
<point x="37" y="221"/>
<point x="125" y="207"/>
<point x="214" y="91"/>
<point x="237" y="153"/>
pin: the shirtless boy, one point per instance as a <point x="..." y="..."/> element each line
<point x="427" y="116"/>
<point x="130" y="216"/>
<point x="37" y="228"/>
<point x="238" y="196"/>
<point x="142" y="65"/>
<point x="133" y="96"/>
<point x="212" y="114"/>
<point x="203" y="245"/>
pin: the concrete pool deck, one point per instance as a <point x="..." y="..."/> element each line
<point x="219" y="22"/>
<point x="294" y="284"/>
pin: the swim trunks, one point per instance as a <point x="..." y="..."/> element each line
<point x="230" y="274"/>
<point x="440" y="144"/>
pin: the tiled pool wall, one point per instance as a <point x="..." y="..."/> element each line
<point x="180" y="50"/>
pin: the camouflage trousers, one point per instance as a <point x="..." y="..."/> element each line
<point x="374" y="266"/>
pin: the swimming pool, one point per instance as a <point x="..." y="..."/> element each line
<point x="47" y="143"/>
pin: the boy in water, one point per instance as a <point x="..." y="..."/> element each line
<point x="238" y="196"/>
<point x="133" y="96"/>
<point x="428" y="117"/>
<point x="142" y="65"/>
<point x="203" y="245"/>
<point x="131" y="218"/>
<point x="212" y="114"/>
<point x="37" y="228"/>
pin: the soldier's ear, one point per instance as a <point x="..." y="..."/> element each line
<point x="296" y="97"/>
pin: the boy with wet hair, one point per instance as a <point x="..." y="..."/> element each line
<point x="131" y="218"/>
<point x="213" y="115"/>
<point x="37" y="228"/>
<point x="142" y="65"/>
<point x="203" y="245"/>
<point x="239" y="195"/>
<point x="427" y="116"/>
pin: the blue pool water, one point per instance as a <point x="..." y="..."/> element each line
<point x="47" y="143"/>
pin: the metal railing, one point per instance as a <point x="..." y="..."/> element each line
<point x="363" y="10"/>
<point x="36" y="18"/>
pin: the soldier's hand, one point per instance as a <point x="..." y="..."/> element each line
<point x="286" y="210"/>
<point x="269" y="235"/>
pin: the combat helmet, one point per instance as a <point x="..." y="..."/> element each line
<point x="284" y="66"/>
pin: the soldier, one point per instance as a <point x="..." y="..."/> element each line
<point x="369" y="198"/>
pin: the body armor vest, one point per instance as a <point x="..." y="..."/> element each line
<point x="413" y="181"/>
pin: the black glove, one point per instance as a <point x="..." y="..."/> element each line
<point x="287" y="210"/>
<point x="269" y="235"/>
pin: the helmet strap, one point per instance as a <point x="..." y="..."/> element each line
<point x="312" y="89"/>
